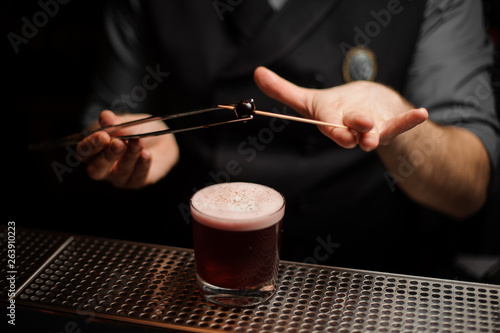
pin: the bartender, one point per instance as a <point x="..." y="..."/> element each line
<point x="408" y="78"/>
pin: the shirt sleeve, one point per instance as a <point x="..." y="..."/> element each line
<point x="450" y="74"/>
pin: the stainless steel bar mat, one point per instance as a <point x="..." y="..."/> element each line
<point x="155" y="286"/>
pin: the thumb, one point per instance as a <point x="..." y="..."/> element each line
<point x="108" y="118"/>
<point x="282" y="90"/>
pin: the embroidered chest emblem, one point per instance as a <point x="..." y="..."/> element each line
<point x="359" y="63"/>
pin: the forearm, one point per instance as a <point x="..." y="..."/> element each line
<point x="444" y="168"/>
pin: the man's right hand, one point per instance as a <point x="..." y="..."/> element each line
<point x="129" y="164"/>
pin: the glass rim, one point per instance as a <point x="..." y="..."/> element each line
<point x="244" y="224"/>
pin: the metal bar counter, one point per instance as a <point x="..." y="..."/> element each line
<point x="152" y="287"/>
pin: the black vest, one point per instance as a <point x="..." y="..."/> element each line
<point x="330" y="191"/>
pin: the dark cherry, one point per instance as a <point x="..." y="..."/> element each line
<point x="245" y="108"/>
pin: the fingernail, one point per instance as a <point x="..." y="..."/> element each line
<point x="97" y="141"/>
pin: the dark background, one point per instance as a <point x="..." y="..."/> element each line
<point x="46" y="86"/>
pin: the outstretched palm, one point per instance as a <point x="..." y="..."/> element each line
<point x="373" y="113"/>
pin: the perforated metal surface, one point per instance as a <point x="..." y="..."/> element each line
<point x="155" y="286"/>
<point x="32" y="250"/>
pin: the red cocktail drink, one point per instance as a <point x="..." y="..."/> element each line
<point x="237" y="236"/>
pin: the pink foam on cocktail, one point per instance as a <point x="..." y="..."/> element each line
<point x="238" y="206"/>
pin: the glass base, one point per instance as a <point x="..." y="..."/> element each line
<point x="235" y="297"/>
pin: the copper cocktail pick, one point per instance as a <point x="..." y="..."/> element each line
<point x="247" y="107"/>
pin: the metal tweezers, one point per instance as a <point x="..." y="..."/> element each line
<point x="74" y="139"/>
<point x="243" y="111"/>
